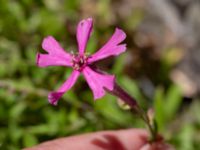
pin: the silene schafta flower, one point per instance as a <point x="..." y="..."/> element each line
<point x="81" y="63"/>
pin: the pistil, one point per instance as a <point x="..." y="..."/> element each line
<point x="79" y="62"/>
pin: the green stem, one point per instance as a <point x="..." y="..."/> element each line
<point x="131" y="101"/>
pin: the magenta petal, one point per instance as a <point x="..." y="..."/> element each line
<point x="53" y="97"/>
<point x="44" y="60"/>
<point x="56" y="54"/>
<point x="83" y="33"/>
<point x="98" y="82"/>
<point x="53" y="47"/>
<point x="111" y="48"/>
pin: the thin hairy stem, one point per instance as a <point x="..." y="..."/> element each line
<point x="131" y="101"/>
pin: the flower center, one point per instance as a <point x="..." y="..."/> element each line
<point x="79" y="62"/>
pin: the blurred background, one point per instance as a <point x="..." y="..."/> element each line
<point x="161" y="69"/>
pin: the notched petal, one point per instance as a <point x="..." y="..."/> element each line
<point x="98" y="82"/>
<point x="55" y="54"/>
<point x="84" y="30"/>
<point x="45" y="60"/>
<point x="53" y="97"/>
<point x="111" y="48"/>
<point x="50" y="45"/>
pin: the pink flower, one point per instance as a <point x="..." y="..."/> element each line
<point x="81" y="63"/>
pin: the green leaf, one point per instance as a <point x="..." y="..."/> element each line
<point x="29" y="140"/>
<point x="159" y="105"/>
<point x="186" y="137"/>
<point x="173" y="101"/>
<point x="39" y="129"/>
<point x="17" y="110"/>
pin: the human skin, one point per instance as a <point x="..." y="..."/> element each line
<point x="130" y="139"/>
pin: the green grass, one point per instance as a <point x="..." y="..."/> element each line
<point x="26" y="117"/>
